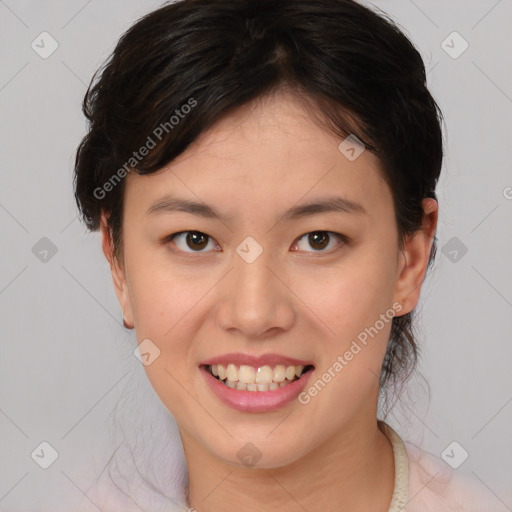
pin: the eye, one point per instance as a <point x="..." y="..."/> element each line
<point x="319" y="240"/>
<point x="195" y="240"/>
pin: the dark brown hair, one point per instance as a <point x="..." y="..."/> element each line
<point x="349" y="62"/>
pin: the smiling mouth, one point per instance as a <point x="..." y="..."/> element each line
<point x="263" y="378"/>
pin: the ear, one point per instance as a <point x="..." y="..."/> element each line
<point x="118" y="273"/>
<point x="413" y="259"/>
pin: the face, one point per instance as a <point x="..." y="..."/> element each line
<point x="251" y="278"/>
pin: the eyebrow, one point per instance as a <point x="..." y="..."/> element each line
<point x="324" y="205"/>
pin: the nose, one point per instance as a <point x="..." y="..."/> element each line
<point x="256" y="300"/>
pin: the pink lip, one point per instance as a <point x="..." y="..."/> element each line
<point x="256" y="361"/>
<point x="256" y="401"/>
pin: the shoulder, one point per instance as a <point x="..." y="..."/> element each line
<point x="123" y="496"/>
<point x="435" y="486"/>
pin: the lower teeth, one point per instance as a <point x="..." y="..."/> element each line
<point x="241" y="386"/>
<point x="256" y="387"/>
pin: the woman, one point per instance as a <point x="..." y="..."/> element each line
<point x="263" y="175"/>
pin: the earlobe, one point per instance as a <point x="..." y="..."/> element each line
<point x="414" y="258"/>
<point x="118" y="273"/>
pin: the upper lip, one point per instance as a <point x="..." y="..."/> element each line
<point x="256" y="361"/>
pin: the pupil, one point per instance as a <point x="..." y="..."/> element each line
<point x="194" y="237"/>
<point x="318" y="238"/>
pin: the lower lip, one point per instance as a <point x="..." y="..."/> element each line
<point x="256" y="401"/>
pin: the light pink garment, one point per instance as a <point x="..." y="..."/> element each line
<point x="433" y="486"/>
<point x="423" y="483"/>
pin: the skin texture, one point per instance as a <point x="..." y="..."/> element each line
<point x="296" y="299"/>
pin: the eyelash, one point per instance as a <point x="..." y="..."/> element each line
<point x="344" y="239"/>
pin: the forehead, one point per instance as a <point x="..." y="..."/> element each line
<point x="281" y="123"/>
<point x="271" y="151"/>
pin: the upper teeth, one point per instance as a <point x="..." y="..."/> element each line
<point x="250" y="375"/>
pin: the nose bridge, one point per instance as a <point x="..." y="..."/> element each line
<point x="255" y="300"/>
<point x="253" y="282"/>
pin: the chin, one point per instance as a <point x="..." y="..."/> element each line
<point x="260" y="455"/>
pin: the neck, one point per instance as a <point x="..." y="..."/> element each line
<point x="353" y="471"/>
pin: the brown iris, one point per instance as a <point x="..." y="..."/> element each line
<point x="318" y="238"/>
<point x="196" y="240"/>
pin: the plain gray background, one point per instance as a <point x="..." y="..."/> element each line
<point x="65" y="356"/>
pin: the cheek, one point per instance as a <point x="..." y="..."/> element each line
<point x="351" y="303"/>
<point x="161" y="293"/>
<point x="357" y="306"/>
<point x="165" y="312"/>
<point x="352" y="295"/>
